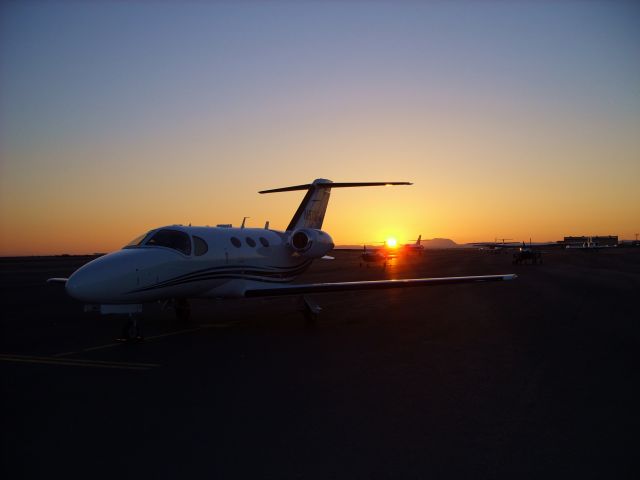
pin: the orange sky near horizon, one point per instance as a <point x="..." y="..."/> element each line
<point x="511" y="121"/>
<point x="100" y="214"/>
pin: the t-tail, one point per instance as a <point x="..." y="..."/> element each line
<point x="310" y="213"/>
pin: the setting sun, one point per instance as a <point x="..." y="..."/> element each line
<point x="392" y="242"/>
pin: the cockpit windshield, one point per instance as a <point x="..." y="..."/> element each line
<point x="171" y="239"/>
<point x="163" y="238"/>
<point x="136" y="242"/>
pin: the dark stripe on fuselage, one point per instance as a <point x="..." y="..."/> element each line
<point x="269" y="270"/>
<point x="286" y="274"/>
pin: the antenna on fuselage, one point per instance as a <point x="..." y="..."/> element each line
<point x="266" y="225"/>
<point x="243" y="220"/>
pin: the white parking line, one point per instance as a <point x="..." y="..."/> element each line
<point x="76" y="362"/>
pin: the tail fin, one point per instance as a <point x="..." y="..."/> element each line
<point x="310" y="213"/>
<point x="419" y="240"/>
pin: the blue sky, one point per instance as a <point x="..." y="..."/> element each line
<point x="101" y="68"/>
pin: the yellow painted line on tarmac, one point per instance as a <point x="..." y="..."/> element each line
<point x="171" y="334"/>
<point x="88" y="349"/>
<point x="76" y="362"/>
<point x="219" y="325"/>
<point x="100" y="347"/>
<point x="118" y="344"/>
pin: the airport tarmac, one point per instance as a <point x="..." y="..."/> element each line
<point x="535" y="378"/>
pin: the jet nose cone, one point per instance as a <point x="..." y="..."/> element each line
<point x="103" y="280"/>
<point x="110" y="279"/>
<point x="77" y="287"/>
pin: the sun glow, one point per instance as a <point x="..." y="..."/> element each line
<point x="391" y="242"/>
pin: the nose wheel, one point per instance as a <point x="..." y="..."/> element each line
<point x="132" y="329"/>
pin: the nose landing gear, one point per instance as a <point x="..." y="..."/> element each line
<point x="132" y="329"/>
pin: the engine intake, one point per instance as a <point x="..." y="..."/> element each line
<point x="311" y="243"/>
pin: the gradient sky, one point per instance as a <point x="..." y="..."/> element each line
<point x="513" y="119"/>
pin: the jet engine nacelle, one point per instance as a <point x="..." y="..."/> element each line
<point x="311" y="243"/>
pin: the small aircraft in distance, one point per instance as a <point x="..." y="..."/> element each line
<point x="387" y="250"/>
<point x="378" y="255"/>
<point x="413" y="248"/>
<point x="174" y="263"/>
<point x="527" y="254"/>
<point x="496" y="246"/>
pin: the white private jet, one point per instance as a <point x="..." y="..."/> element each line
<point x="176" y="263"/>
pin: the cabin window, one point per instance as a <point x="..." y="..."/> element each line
<point x="200" y="247"/>
<point x="264" y="242"/>
<point x="250" y="241"/>
<point x="236" y="242"/>
<point x="171" y="239"/>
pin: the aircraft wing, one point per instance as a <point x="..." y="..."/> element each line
<point x="57" y="280"/>
<point x="275" y="290"/>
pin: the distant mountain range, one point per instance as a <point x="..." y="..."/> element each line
<point x="428" y="243"/>
<point x="439" y="243"/>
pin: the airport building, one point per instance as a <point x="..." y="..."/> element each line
<point x="600" y="241"/>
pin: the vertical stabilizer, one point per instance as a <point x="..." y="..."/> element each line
<point x="310" y="213"/>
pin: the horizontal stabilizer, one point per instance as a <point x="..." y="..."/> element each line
<point x="310" y="213"/>
<point x="334" y="185"/>
<point x="370" y="285"/>
<point x="57" y="280"/>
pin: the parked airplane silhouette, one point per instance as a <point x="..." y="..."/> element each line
<point x="527" y="254"/>
<point x="413" y="248"/>
<point x="379" y="255"/>
<point x="496" y="246"/>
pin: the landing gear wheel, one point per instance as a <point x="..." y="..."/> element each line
<point x="183" y="310"/>
<point x="132" y="330"/>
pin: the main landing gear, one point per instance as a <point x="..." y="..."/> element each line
<point x="311" y="310"/>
